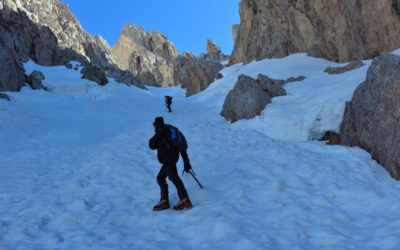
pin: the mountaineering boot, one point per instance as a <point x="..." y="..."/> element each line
<point x="162" y="205"/>
<point x="184" y="203"/>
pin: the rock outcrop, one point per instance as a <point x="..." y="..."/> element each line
<point x="95" y="74"/>
<point x="35" y="80"/>
<point x="194" y="74"/>
<point x="5" y="97"/>
<point x="148" y="55"/>
<point x="347" y="67"/>
<point x="340" y="31"/>
<point x="330" y="138"/>
<point x="250" y="96"/>
<point x="49" y="34"/>
<point x="371" y="120"/>
<point x="213" y="53"/>
<point x="245" y="101"/>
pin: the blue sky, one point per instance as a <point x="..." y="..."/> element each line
<point x="187" y="23"/>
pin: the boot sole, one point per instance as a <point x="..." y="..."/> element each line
<point x="181" y="208"/>
<point x="160" y="209"/>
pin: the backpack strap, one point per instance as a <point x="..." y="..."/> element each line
<point x="173" y="133"/>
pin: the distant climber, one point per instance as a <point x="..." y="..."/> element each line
<point x="169" y="142"/>
<point x="168" y="102"/>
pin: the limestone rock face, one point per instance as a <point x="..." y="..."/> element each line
<point x="152" y="58"/>
<point x="67" y="29"/>
<point x="193" y="73"/>
<point x="212" y="47"/>
<point x="235" y="29"/>
<point x="336" y="30"/>
<point x="49" y="34"/>
<point x="148" y="55"/>
<point x="213" y="53"/>
<point x="250" y="96"/>
<point x="155" y="61"/>
<point x="371" y="120"/>
<point x="21" y="39"/>
<point x="71" y="36"/>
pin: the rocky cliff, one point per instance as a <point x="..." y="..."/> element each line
<point x="48" y="33"/>
<point x="193" y="73"/>
<point x="336" y="30"/>
<point x="67" y="29"/>
<point x="148" y="55"/>
<point x="11" y="69"/>
<point x="152" y="58"/>
<point x="371" y="120"/>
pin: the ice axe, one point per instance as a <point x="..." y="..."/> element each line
<point x="194" y="177"/>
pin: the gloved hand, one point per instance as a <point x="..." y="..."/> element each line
<point x="158" y="129"/>
<point x="187" y="167"/>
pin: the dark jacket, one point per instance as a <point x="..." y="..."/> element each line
<point x="167" y="152"/>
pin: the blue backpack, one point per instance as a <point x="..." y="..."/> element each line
<point x="177" y="138"/>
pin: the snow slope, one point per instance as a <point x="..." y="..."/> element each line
<point x="77" y="173"/>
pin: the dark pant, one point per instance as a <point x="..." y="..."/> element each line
<point x="169" y="107"/>
<point x="172" y="173"/>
